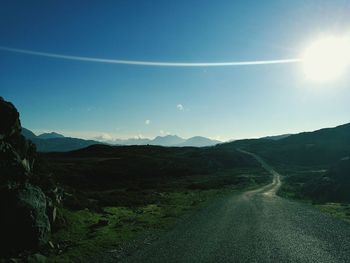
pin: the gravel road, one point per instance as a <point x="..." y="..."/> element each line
<point x="256" y="226"/>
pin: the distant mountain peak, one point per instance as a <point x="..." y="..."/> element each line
<point x="53" y="141"/>
<point x="199" y="141"/>
<point x="50" y="135"/>
<point x="167" y="140"/>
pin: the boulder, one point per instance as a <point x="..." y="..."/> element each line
<point x="24" y="224"/>
<point x="9" y="117"/>
<point x="11" y="166"/>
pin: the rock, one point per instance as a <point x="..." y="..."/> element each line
<point x="51" y="245"/>
<point x="51" y="212"/>
<point x="11" y="166"/>
<point x="9" y="117"/>
<point x="54" y="215"/>
<point x="24" y="224"/>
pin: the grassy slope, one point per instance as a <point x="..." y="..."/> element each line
<point x="314" y="165"/>
<point x="319" y="186"/>
<point x="322" y="147"/>
<point x="134" y="190"/>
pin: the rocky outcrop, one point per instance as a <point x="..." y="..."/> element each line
<point x="10" y="124"/>
<point x="24" y="224"/>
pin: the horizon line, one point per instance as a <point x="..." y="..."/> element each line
<point x="150" y="63"/>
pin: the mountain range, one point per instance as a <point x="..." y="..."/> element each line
<point x="55" y="142"/>
<point x="168" y="140"/>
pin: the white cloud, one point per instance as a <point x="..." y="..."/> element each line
<point x="104" y="137"/>
<point x="162" y="132"/>
<point x="139" y="136"/>
<point x="180" y="107"/>
<point x="147" y="122"/>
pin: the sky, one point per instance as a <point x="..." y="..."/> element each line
<point x="88" y="99"/>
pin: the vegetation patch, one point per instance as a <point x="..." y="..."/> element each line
<point x="114" y="195"/>
<point x="339" y="210"/>
<point x="312" y="185"/>
<point x="85" y="233"/>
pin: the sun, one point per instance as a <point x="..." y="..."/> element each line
<point x="327" y="58"/>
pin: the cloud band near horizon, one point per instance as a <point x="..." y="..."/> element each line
<point x="150" y="63"/>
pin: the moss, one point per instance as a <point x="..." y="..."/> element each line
<point x="81" y="236"/>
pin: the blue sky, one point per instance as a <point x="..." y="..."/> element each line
<point x="87" y="99"/>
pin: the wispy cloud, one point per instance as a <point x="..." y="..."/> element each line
<point x="180" y="107"/>
<point x="150" y="63"/>
<point x="147" y="122"/>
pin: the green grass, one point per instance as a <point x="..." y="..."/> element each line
<point x="81" y="237"/>
<point x="338" y="210"/>
<point x="295" y="178"/>
<point x="137" y="191"/>
<point x="293" y="187"/>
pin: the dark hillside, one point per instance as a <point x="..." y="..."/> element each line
<point x="315" y="164"/>
<point x="61" y="144"/>
<point x="102" y="166"/>
<point x="321" y="147"/>
<point x="114" y="175"/>
<point x="333" y="186"/>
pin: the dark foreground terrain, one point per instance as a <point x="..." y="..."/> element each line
<point x="94" y="202"/>
<point x="117" y="193"/>
<point x="256" y="226"/>
<point x="113" y="195"/>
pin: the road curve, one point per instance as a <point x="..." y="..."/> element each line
<point x="256" y="226"/>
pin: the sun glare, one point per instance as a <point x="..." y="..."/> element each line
<point x="327" y="58"/>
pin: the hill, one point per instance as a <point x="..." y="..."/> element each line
<point x="168" y="140"/>
<point x="332" y="186"/>
<point x="50" y="135"/>
<point x="321" y="147"/>
<point x="276" y="137"/>
<point x="28" y="134"/>
<point x="113" y="169"/>
<point x="199" y="141"/>
<point x="315" y="164"/>
<point x="61" y="144"/>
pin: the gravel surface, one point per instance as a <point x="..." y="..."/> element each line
<point x="256" y="226"/>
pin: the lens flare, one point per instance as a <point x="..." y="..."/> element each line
<point x="327" y="58"/>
